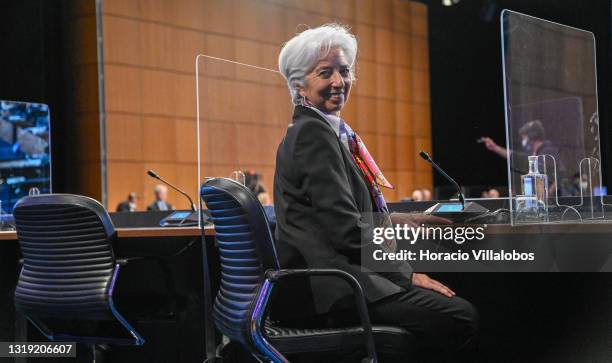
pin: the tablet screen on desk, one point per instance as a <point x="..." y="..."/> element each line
<point x="179" y="215"/>
<point x="447" y="208"/>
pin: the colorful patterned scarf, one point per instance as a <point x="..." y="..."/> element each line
<point x="373" y="177"/>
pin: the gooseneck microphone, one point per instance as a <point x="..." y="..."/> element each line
<point x="427" y="158"/>
<point x="153" y="174"/>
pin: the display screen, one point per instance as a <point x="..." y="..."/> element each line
<point x="179" y="215"/>
<point x="25" y="157"/>
<point x="600" y="191"/>
<point x="450" y="208"/>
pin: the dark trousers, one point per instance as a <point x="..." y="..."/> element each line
<point x="446" y="328"/>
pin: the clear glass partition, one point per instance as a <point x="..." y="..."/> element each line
<point x="242" y="113"/>
<point x="552" y="129"/>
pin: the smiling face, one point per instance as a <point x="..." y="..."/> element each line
<point x="328" y="85"/>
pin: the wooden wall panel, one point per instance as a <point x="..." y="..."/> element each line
<point x="403" y="84"/>
<point x="386" y="111"/>
<point x="123" y="86"/>
<point x="125" y="48"/>
<point x="89" y="182"/>
<point x="150" y="48"/>
<point x="403" y="118"/>
<point x="366" y="114"/>
<point x="86" y="132"/>
<point x="422" y="120"/>
<point x="420" y="87"/>
<point x="82" y="131"/>
<point x="418" y="19"/>
<point x="405" y="160"/>
<point x="127" y="177"/>
<point x="365" y="37"/>
<point x="130" y="146"/>
<point x="85" y="87"/>
<point x="84" y="51"/>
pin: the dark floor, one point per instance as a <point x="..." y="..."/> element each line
<point x="525" y="317"/>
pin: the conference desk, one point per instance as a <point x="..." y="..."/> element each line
<point x="577" y="247"/>
<point x="520" y="312"/>
<point x="141" y="232"/>
<point x="494" y="229"/>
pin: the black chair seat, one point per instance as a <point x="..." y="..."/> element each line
<point x="388" y="339"/>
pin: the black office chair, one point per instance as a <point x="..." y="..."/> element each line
<point x="249" y="272"/>
<point x="65" y="288"/>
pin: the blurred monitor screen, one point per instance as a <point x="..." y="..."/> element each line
<point x="600" y="191"/>
<point x="25" y="158"/>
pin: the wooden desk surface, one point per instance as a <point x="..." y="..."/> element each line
<point x="139" y="232"/>
<point x="494" y="229"/>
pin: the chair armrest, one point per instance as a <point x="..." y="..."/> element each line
<point x="362" y="307"/>
<point x="125" y="261"/>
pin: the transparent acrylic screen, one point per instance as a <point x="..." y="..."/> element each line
<point x="243" y="112"/>
<point x="551" y="114"/>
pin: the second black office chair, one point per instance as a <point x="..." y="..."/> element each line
<point x="69" y="271"/>
<point x="249" y="272"/>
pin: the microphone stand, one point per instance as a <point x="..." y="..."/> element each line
<point x="428" y="158"/>
<point x="152" y="174"/>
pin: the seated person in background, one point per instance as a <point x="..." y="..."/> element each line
<point x="491" y="193"/>
<point x="266" y="202"/>
<point x="161" y="194"/>
<point x="417" y="195"/>
<point x="252" y="180"/>
<point x="426" y="194"/>
<point x="534" y="143"/>
<point x="264" y="199"/>
<point x="130" y="204"/>
<point x="326" y="185"/>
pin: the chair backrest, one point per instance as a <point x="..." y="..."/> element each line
<point x="68" y="264"/>
<point x="246" y="250"/>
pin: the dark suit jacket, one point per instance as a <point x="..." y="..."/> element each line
<point x="123" y="206"/>
<point x="153" y="206"/>
<point x="319" y="198"/>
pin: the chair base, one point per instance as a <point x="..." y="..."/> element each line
<point x="98" y="352"/>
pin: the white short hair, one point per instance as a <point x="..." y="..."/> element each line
<point x="302" y="53"/>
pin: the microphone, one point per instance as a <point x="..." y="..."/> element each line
<point x="153" y="174"/>
<point x="427" y="158"/>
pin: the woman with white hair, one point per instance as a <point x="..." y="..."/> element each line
<point x="325" y="185"/>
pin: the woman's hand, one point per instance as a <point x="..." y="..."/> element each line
<point x="415" y="220"/>
<point x="426" y="282"/>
